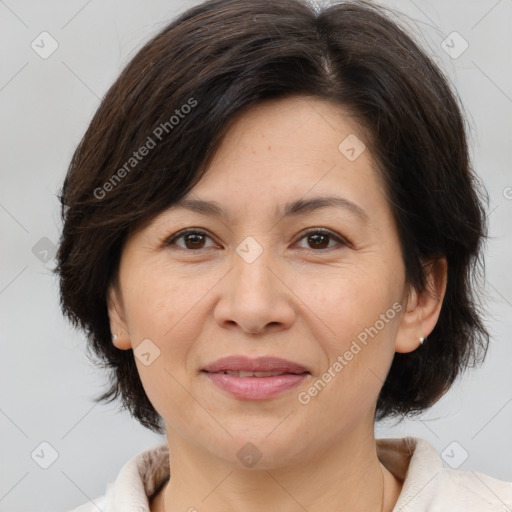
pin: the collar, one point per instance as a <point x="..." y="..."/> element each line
<point x="428" y="485"/>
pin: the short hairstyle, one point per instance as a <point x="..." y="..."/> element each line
<point x="182" y="91"/>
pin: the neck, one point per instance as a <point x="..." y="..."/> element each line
<point x="345" y="477"/>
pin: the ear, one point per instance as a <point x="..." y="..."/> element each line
<point x="423" y="309"/>
<point x="116" y="317"/>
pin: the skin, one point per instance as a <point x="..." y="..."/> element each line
<point x="302" y="299"/>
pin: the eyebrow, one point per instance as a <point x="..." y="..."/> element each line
<point x="293" y="208"/>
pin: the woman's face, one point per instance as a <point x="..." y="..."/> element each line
<point x="321" y="287"/>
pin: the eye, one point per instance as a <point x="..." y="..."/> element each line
<point x="319" y="238"/>
<point x="193" y="239"/>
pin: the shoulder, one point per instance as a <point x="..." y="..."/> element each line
<point x="428" y="486"/>
<point x="473" y="490"/>
<point x="136" y="482"/>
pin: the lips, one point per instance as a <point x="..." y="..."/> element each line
<point x="243" y="366"/>
<point x="243" y="373"/>
<point x="255" y="379"/>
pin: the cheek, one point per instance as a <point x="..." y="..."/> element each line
<point x="169" y="309"/>
<point x="359" y="308"/>
<point x="161" y="299"/>
<point x="347" y="298"/>
<point x="164" y="309"/>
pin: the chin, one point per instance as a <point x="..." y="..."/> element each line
<point x="264" y="449"/>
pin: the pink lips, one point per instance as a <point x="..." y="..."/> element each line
<point x="290" y="375"/>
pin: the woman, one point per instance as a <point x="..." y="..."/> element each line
<point x="271" y="232"/>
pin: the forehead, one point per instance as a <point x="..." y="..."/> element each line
<point x="287" y="158"/>
<point x="295" y="147"/>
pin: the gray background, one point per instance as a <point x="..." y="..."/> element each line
<point x="47" y="382"/>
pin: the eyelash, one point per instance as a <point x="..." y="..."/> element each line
<point x="181" y="234"/>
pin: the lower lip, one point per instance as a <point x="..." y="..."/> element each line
<point x="255" y="388"/>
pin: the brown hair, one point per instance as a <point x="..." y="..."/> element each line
<point x="177" y="98"/>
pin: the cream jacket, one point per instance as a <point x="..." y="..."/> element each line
<point x="428" y="485"/>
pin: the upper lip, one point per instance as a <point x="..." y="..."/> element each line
<point x="258" y="364"/>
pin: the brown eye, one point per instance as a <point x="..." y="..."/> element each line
<point x="319" y="239"/>
<point x="193" y="239"/>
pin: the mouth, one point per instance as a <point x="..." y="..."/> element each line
<point x="249" y="367"/>
<point x="255" y="379"/>
<point x="244" y="374"/>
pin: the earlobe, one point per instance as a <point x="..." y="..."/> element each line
<point x="423" y="309"/>
<point x="120" y="336"/>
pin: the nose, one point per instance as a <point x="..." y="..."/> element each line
<point x="255" y="297"/>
